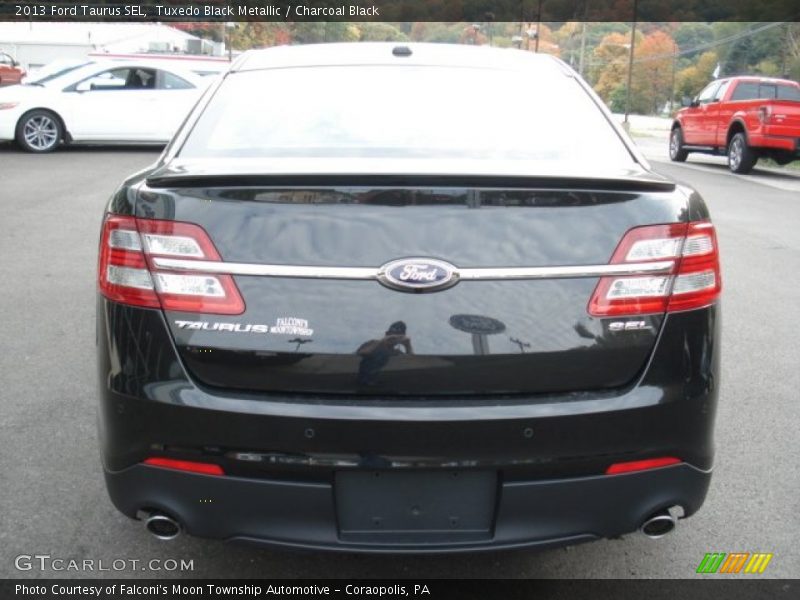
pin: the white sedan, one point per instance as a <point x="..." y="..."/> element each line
<point x="99" y="102"/>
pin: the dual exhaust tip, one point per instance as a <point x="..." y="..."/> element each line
<point x="160" y="525"/>
<point x="658" y="525"/>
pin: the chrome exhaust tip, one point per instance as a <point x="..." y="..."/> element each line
<point x="161" y="526"/>
<point x="658" y="525"/>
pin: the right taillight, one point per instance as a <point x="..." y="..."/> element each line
<point x="693" y="282"/>
<point x="126" y="273"/>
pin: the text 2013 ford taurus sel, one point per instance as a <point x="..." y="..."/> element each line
<point x="406" y="298"/>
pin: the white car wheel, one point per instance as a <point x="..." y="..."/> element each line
<point x="39" y="131"/>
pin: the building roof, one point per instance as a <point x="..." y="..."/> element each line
<point x="114" y="37"/>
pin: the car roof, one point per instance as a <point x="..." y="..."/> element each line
<point x="147" y="64"/>
<point x="761" y="79"/>
<point x="397" y="54"/>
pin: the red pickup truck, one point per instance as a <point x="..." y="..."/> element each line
<point x="745" y="118"/>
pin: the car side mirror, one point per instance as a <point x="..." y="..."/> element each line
<point x="83" y="86"/>
<point x="694" y="103"/>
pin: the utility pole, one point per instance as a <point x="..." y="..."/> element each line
<point x="583" y="37"/>
<point x="630" y="64"/>
<point x="538" y="26"/>
<point x="672" y="85"/>
<point x="784" y="50"/>
<point x="229" y="27"/>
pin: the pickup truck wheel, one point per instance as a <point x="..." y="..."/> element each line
<point x="677" y="153"/>
<point x="741" y="158"/>
<point x="39" y="131"/>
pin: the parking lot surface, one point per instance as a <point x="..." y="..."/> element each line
<point x="52" y="497"/>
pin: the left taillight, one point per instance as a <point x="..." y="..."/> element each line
<point x="126" y="273"/>
<point x="693" y="282"/>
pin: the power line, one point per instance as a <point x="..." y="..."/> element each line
<point x="698" y="48"/>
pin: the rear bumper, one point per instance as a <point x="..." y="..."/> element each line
<point x="283" y="454"/>
<point x="538" y="514"/>
<point x="788" y="143"/>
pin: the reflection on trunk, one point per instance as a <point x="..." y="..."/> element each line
<point x="375" y="354"/>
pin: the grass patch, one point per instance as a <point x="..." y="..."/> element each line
<point x="768" y="162"/>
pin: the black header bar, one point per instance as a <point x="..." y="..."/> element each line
<point x="478" y="11"/>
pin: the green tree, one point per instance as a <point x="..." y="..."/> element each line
<point x="317" y="32"/>
<point x="380" y="32"/>
<point x="689" y="81"/>
<point x="617" y="99"/>
<point x="690" y="35"/>
<point x="446" y="33"/>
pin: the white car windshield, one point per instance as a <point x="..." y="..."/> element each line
<point x="55" y="70"/>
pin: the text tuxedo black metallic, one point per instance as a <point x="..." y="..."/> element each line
<point x="549" y="377"/>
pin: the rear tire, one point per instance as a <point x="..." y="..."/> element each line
<point x="39" y="131"/>
<point x="741" y="157"/>
<point x="677" y="153"/>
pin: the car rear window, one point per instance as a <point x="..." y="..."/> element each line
<point x="767" y="91"/>
<point x="405" y="112"/>
<point x="789" y="92"/>
<point x="745" y="90"/>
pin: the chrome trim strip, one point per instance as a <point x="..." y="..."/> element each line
<point x="662" y="267"/>
<point x="225" y="268"/>
<point x="488" y="274"/>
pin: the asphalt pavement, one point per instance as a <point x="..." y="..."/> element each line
<point x="52" y="497"/>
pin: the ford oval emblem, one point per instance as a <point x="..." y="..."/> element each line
<point x="418" y="275"/>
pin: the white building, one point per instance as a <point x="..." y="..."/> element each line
<point x="34" y="45"/>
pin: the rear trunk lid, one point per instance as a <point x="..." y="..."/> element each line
<point x="321" y="335"/>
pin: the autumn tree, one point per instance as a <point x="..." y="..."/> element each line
<point x="259" y="34"/>
<point x="567" y="37"/>
<point x="653" y="72"/>
<point x="610" y="64"/>
<point x="651" y="82"/>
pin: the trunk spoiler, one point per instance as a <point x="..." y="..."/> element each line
<point x="240" y="173"/>
<point x="159" y="180"/>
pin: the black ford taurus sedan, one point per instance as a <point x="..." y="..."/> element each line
<point x="417" y="298"/>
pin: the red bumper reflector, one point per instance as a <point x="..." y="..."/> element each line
<point x="641" y="465"/>
<point x="185" y="465"/>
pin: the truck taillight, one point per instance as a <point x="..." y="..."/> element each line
<point x="693" y="282"/>
<point x="125" y="272"/>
